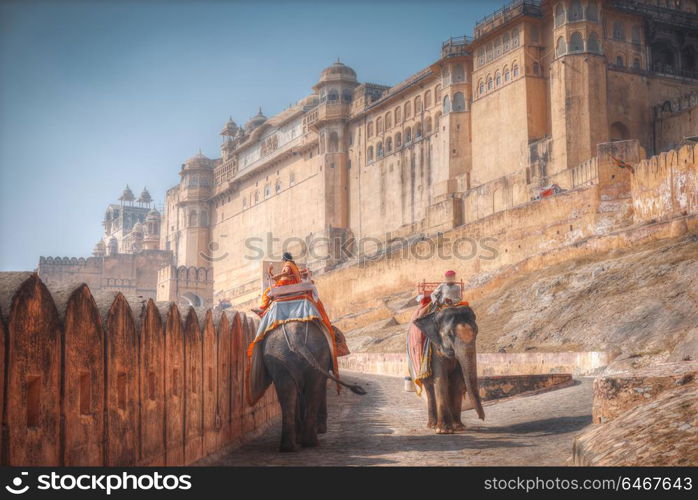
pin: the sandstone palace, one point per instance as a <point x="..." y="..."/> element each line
<point x="530" y="105"/>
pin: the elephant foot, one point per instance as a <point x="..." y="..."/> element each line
<point x="322" y="428"/>
<point x="444" y="429"/>
<point x="431" y="424"/>
<point x="289" y="447"/>
<point x="458" y="426"/>
<point x="310" y="442"/>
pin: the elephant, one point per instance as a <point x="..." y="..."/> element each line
<point x="452" y="332"/>
<point x="297" y="357"/>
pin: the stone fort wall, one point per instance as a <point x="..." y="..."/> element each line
<point x="98" y="380"/>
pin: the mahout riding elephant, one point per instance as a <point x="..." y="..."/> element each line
<point x="452" y="332"/>
<point x="297" y="357"/>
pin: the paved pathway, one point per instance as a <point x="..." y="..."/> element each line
<point x="388" y="427"/>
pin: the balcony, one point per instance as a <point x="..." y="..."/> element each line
<point x="456" y="46"/>
<point x="332" y="111"/>
<point x="502" y="16"/>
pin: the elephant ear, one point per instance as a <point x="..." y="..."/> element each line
<point x="430" y="327"/>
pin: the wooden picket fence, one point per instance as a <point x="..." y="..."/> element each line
<point x="92" y="381"/>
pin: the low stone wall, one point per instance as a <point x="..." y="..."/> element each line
<point x="497" y="387"/>
<point x="488" y="364"/>
<point x="621" y="392"/>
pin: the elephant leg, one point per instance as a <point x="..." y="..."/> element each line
<point x="287" y="394"/>
<point x="431" y="403"/>
<point x="444" y="421"/>
<point x="313" y="388"/>
<point x="322" y="411"/>
<point x="457" y="388"/>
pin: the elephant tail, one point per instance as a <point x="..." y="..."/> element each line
<point x="303" y="351"/>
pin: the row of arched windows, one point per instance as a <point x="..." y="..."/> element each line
<point x="501" y="77"/>
<point x="577" y="44"/>
<point x="575" y="11"/>
<point x="458" y="103"/>
<point x="267" y="191"/>
<point x="499" y="46"/>
<point x="620" y="35"/>
<point x="393" y="143"/>
<point x="404" y="112"/>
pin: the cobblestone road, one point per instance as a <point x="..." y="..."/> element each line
<point x="388" y="427"/>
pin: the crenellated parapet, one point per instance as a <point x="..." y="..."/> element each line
<point x="113" y="380"/>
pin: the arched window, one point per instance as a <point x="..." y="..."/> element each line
<point x="498" y="47"/>
<point x="593" y="43"/>
<point x="560" y="47"/>
<point x="618" y="30"/>
<point x="515" y="37"/>
<point x="291" y="179"/>
<point x="447" y="105"/>
<point x="481" y="87"/>
<point x="204" y="218"/>
<point x="418" y="104"/>
<point x="278" y="186"/>
<point x="437" y="94"/>
<point x="559" y="15"/>
<point x="397" y="115"/>
<point x="663" y="57"/>
<point x="458" y="73"/>
<point x="408" y="110"/>
<point x="427" y="99"/>
<point x="379" y="149"/>
<point x="635" y="35"/>
<point x="497" y="79"/>
<point x="346" y="95"/>
<point x="379" y="125"/>
<point x="437" y="120"/>
<point x="333" y="145"/>
<point x="688" y="61"/>
<point x="398" y="140"/>
<point x="506" y="42"/>
<point x="267" y="191"/>
<point x="256" y="196"/>
<point x="192" y="218"/>
<point x="636" y="63"/>
<point x="458" y="101"/>
<point x="333" y="95"/>
<point x="592" y="12"/>
<point x="515" y="70"/>
<point x="369" y="130"/>
<point x="576" y="42"/>
<point x="490" y="51"/>
<point x="388" y="144"/>
<point x="480" y="56"/>
<point x="408" y="135"/>
<point x="427" y="125"/>
<point x="619" y="61"/>
<point x="490" y="83"/>
<point x="507" y="74"/>
<point x="369" y="154"/>
<point x="418" y="130"/>
<point x="388" y="120"/>
<point x="576" y="12"/>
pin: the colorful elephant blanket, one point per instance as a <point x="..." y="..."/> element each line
<point x="300" y="308"/>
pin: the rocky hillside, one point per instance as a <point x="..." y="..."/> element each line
<point x="641" y="302"/>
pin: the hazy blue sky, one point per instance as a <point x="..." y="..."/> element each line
<point x="95" y="95"/>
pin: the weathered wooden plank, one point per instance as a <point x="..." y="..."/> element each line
<point x="122" y="385"/>
<point x="152" y="391"/>
<point x="174" y="388"/>
<point x="83" y="392"/>
<point x="33" y="377"/>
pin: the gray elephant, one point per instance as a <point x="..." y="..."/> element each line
<point x="297" y="357"/>
<point x="452" y="332"/>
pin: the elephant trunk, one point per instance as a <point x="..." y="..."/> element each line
<point x="467" y="358"/>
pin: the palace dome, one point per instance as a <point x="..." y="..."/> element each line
<point x="198" y="160"/>
<point x="256" y="120"/>
<point x="230" y="128"/>
<point x="153" y="215"/>
<point x="337" y="72"/>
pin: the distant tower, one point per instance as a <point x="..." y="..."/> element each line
<point x="113" y="247"/>
<point x="229" y="133"/>
<point x="145" y="199"/>
<point x="100" y="249"/>
<point x="578" y="90"/>
<point x="336" y="93"/>
<point x="127" y="196"/>
<point x="152" y="230"/>
<point x="195" y="189"/>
